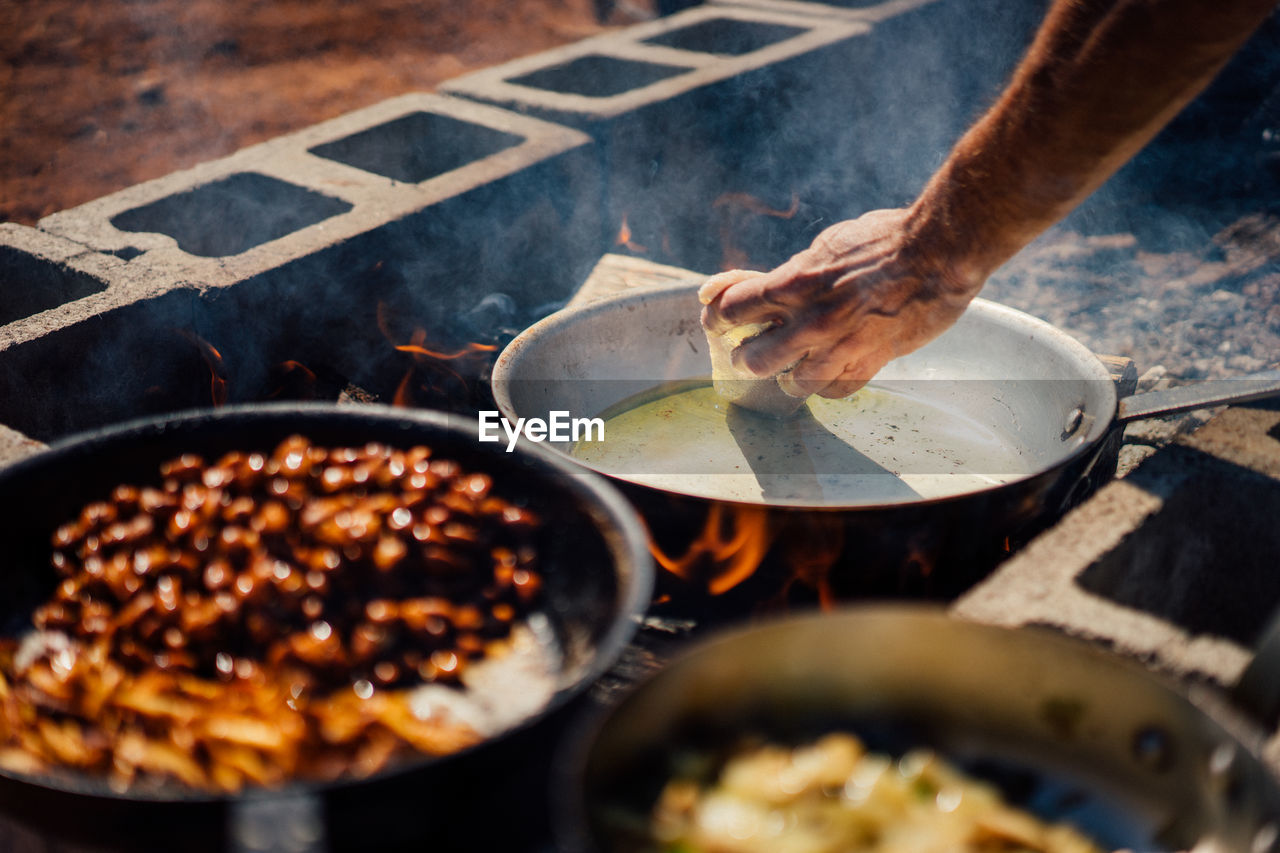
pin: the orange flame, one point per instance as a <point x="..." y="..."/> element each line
<point x="290" y="365"/>
<point x="218" y="383"/>
<point x="624" y="237"/>
<point x="726" y="552"/>
<point x="735" y="207"/>
<point x="293" y="377"/>
<point x="434" y="363"/>
<point x="813" y="544"/>
<point x="751" y="204"/>
<point x="404" y="396"/>
<point x="469" y="349"/>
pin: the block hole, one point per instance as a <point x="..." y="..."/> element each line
<point x="597" y="76"/>
<point x="30" y="284"/>
<point x="728" y="36"/>
<point x="232" y="215"/>
<point x="417" y="146"/>
<point x="1206" y="561"/>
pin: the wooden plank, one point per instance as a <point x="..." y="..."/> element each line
<point x="621" y="273"/>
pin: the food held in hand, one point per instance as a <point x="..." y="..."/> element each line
<point x="742" y="389"/>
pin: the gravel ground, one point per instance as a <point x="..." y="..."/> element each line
<point x="1208" y="311"/>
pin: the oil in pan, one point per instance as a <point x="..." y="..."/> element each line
<point x="888" y="443"/>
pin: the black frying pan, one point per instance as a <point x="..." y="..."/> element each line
<point x="597" y="573"/>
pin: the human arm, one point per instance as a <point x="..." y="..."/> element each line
<point x="1098" y="82"/>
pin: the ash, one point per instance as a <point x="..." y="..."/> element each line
<point x="1209" y="309"/>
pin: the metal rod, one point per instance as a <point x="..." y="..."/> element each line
<point x="1201" y="395"/>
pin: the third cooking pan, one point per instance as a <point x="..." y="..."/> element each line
<point x="1073" y="732"/>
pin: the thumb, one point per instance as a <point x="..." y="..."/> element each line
<point x="721" y="282"/>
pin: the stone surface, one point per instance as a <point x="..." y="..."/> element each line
<point x="1174" y="565"/>
<point x="14" y="446"/>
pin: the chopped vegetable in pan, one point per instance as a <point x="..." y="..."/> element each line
<point x="834" y="796"/>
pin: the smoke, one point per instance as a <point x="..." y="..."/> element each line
<point x="1171" y="262"/>
<point x="1156" y="265"/>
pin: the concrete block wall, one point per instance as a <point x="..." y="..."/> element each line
<point x="40" y="272"/>
<point x="231" y="219"/>
<point x="1174" y="565"/>
<point x="967" y="50"/>
<point x="315" y="247"/>
<point x="856" y="10"/>
<point x="817" y="116"/>
<point x="901" y="97"/>
<point x="690" y="112"/>
<point x="452" y="215"/>
<point x="49" y="284"/>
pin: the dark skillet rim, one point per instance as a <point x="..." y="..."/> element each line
<point x="622" y="531"/>
<point x="502" y="378"/>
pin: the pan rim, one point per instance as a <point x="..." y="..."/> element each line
<point x="1092" y="370"/>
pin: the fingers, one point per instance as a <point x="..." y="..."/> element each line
<point x="839" y="372"/>
<point x="788" y="385"/>
<point x="714" y="286"/>
<point x="751" y="299"/>
<point x="842" y="388"/>
<point x="771" y="351"/>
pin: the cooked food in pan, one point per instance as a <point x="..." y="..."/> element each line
<point x="268" y="617"/>
<point x="835" y="795"/>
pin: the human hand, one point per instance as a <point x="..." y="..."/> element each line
<point x="868" y="290"/>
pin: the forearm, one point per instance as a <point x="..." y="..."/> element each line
<point x="1100" y="80"/>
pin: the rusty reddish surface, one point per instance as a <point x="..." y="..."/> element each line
<point x="99" y="96"/>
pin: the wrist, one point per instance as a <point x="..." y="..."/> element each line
<point x="948" y="248"/>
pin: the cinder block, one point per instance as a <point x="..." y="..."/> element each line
<point x="857" y="10"/>
<point x="890" y="110"/>
<point x="325" y="247"/>
<point x="722" y="158"/>
<point x="1175" y="564"/>
<point x="457" y="199"/>
<point x="433" y="167"/>
<point x="40" y="273"/>
<point x="54" y="296"/>
<point x="15" y="446"/>
<point x="700" y="116"/>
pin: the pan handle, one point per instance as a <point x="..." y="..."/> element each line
<point x="1201" y="395"/>
<point x="287" y="822"/>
